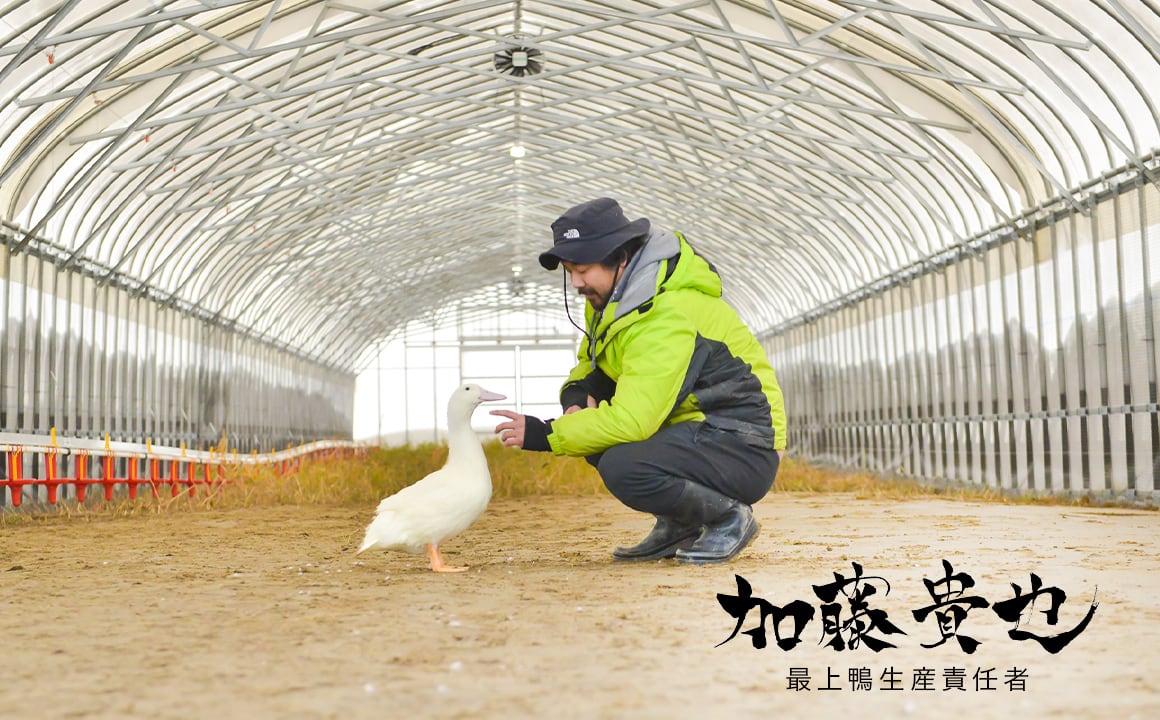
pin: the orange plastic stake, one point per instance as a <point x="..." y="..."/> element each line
<point x="152" y="465"/>
<point x="132" y="479"/>
<point x="82" y="480"/>
<point x="15" y="479"/>
<point x="107" y="477"/>
<point x="108" y="480"/>
<point x="50" y="471"/>
<point x="154" y="474"/>
<point x="190" y="473"/>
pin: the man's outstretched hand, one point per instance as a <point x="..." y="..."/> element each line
<point x="523" y="431"/>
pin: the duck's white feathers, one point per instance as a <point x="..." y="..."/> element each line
<point x="448" y="500"/>
<point x="433" y="509"/>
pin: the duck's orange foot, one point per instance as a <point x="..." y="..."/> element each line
<point x="436" y="559"/>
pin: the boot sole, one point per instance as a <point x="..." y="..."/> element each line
<point x="661" y="553"/>
<point x="703" y="559"/>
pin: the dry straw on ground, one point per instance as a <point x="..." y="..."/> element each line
<point x="379" y="472"/>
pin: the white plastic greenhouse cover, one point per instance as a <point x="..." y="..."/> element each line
<point x="323" y="172"/>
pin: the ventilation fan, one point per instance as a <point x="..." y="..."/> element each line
<point x="519" y="61"/>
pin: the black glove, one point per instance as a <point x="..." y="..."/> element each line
<point x="536" y="433"/>
<point x="576" y="395"/>
<point x="600" y="386"/>
<point x="596" y="384"/>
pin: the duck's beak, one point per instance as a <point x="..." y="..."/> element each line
<point x="489" y="396"/>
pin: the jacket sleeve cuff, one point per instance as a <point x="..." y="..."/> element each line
<point x="536" y="434"/>
<point x="575" y="394"/>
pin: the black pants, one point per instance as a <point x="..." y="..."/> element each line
<point x="648" y="475"/>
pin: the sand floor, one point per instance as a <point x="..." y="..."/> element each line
<point x="266" y="613"/>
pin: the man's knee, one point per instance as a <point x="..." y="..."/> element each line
<point x="615" y="470"/>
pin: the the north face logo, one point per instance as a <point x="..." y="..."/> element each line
<point x="571" y="234"/>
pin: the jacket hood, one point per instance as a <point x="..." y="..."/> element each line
<point x="648" y="273"/>
<point x="645" y="275"/>
<point x="640" y="277"/>
<point x="694" y="272"/>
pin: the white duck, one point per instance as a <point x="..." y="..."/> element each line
<point x="445" y="502"/>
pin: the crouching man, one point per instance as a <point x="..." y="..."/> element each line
<point x="673" y="399"/>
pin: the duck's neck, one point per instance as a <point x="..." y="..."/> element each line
<point x="462" y="443"/>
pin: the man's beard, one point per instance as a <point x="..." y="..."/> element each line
<point x="595" y="299"/>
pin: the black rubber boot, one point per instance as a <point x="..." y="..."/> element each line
<point x="667" y="536"/>
<point x="729" y="525"/>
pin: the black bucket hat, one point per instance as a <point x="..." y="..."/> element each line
<point x="589" y="232"/>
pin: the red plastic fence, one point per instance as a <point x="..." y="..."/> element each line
<point x="172" y="472"/>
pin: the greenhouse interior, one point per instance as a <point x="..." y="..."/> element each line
<point x="270" y="223"/>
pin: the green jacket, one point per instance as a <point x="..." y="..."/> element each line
<point x="667" y="349"/>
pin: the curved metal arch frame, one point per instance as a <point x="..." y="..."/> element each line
<point x="892" y="205"/>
